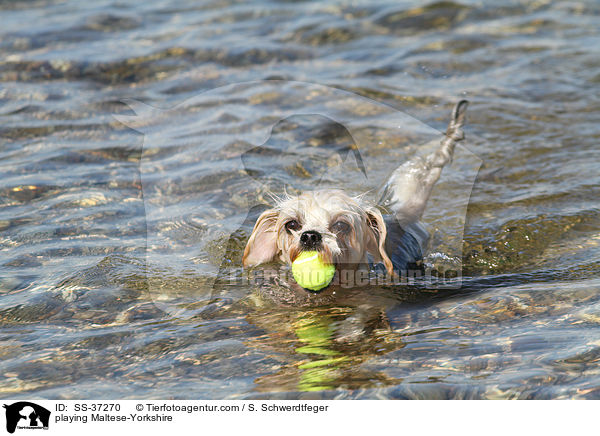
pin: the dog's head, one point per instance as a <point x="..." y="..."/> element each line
<point x="341" y="228"/>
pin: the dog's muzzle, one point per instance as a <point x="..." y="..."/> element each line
<point x="310" y="240"/>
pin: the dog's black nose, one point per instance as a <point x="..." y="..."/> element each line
<point x="310" y="239"/>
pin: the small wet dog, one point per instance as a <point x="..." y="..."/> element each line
<point x="349" y="233"/>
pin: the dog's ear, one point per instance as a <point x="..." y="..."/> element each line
<point x="377" y="232"/>
<point x="262" y="245"/>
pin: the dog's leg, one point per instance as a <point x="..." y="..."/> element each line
<point x="406" y="193"/>
<point x="361" y="323"/>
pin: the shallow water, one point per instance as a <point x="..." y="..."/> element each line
<point x="112" y="238"/>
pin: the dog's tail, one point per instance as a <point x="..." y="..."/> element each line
<point x="454" y="133"/>
<point x="408" y="189"/>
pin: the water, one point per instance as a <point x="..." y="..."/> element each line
<point x="90" y="308"/>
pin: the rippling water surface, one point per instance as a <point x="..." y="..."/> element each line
<point x="95" y="216"/>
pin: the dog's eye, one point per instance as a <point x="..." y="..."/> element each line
<point x="292" y="225"/>
<point x="340" y="227"/>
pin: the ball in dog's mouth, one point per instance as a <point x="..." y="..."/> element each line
<point x="311" y="272"/>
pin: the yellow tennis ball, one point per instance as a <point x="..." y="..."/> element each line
<point x="311" y="272"/>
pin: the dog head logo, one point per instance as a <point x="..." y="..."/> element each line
<point x="207" y="177"/>
<point x="26" y="415"/>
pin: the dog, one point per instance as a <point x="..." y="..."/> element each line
<point x="350" y="233"/>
